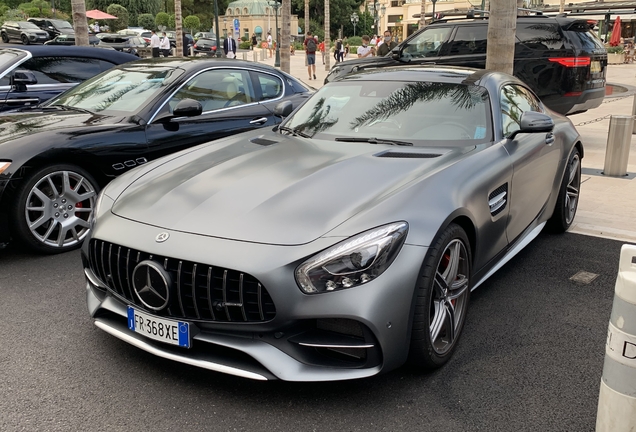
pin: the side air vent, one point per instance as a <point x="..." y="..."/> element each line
<point x="405" y="155"/>
<point x="263" y="141"/>
<point x="498" y="199"/>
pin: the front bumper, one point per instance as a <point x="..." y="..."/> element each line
<point x="294" y="346"/>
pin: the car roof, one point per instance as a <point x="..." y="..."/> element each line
<point x="562" y="21"/>
<point x="75" y="51"/>
<point x="450" y="74"/>
<point x="198" y="63"/>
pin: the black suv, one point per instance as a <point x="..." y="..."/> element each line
<point x="560" y="58"/>
<point x="125" y="43"/>
<point x="54" y="27"/>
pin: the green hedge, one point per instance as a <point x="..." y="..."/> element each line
<point x="245" y="45"/>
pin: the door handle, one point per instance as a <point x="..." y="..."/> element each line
<point x="549" y="138"/>
<point x="259" y="120"/>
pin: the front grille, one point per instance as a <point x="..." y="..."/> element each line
<point x="203" y="292"/>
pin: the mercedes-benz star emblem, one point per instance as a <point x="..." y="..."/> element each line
<point x="152" y="285"/>
<point x="162" y="237"/>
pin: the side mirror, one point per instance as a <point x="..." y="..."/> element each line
<point x="395" y="53"/>
<point x="187" y="108"/>
<point x="21" y="78"/>
<point x="283" y="109"/>
<point x="533" y="122"/>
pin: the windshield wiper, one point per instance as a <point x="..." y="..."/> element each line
<point x="376" y="141"/>
<point x="294" y="132"/>
<point x="66" y="107"/>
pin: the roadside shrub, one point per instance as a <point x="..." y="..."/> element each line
<point x="354" y="40"/>
<point x="162" y="19"/>
<point x="146" y="21"/>
<point x="122" y="17"/>
<point x="245" y="45"/>
<point x="615" y="50"/>
<point x="192" y="23"/>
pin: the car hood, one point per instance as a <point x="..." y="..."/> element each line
<point x="290" y="191"/>
<point x="25" y="124"/>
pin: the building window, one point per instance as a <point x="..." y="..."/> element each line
<point x="245" y="11"/>
<point x="238" y="11"/>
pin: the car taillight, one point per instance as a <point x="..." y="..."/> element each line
<point x="195" y="45"/>
<point x="572" y="61"/>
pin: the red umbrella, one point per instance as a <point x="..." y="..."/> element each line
<point x="615" y="40"/>
<point x="99" y="15"/>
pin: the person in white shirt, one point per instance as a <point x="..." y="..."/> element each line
<point x="164" y="45"/>
<point x="155" y="43"/>
<point x="96" y="27"/>
<point x="270" y="45"/>
<point x="365" y="50"/>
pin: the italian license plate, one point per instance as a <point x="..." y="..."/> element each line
<point x="595" y="66"/>
<point x="160" y="329"/>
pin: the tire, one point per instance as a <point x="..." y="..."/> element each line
<point x="54" y="207"/>
<point x="448" y="262"/>
<point x="5" y="38"/>
<point x="568" y="200"/>
<point x="25" y="40"/>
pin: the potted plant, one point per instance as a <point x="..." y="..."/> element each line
<point x="615" y="55"/>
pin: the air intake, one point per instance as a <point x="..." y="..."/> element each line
<point x="407" y="155"/>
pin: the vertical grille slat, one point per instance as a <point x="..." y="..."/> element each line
<point x="229" y="295"/>
<point x="194" y="291"/>
<point x="227" y="311"/>
<point x="210" y="305"/>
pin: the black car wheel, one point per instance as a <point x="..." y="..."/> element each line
<point x="443" y="293"/>
<point x="25" y="40"/>
<point x="5" y="38"/>
<point x="568" y="201"/>
<point x="54" y="207"/>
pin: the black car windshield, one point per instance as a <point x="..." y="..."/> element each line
<point x="413" y="112"/>
<point x="125" y="89"/>
<point x="62" y="24"/>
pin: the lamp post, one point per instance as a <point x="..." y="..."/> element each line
<point x="276" y="5"/>
<point x="433" y="16"/>
<point x="378" y="11"/>
<point x="354" y="20"/>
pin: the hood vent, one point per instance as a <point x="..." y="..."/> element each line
<point x="407" y="155"/>
<point x="263" y="141"/>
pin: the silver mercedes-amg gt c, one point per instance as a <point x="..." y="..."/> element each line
<point x="341" y="244"/>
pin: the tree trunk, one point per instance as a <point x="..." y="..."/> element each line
<point x="502" y="27"/>
<point x="327" y="38"/>
<point x="178" y="24"/>
<point x="80" y="26"/>
<point x="423" y="15"/>
<point x="286" y="37"/>
<point x="306" y="29"/>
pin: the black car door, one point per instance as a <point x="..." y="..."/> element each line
<point x="229" y="103"/>
<point x="54" y="75"/>
<point x="535" y="159"/>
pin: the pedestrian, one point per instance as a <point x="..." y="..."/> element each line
<point x="310" y="50"/>
<point x="270" y="45"/>
<point x="186" y="45"/>
<point x="229" y="47"/>
<point x="365" y="50"/>
<point x="96" y="27"/>
<point x="345" y="42"/>
<point x="321" y="48"/>
<point x="387" y="45"/>
<point x="155" y="43"/>
<point x="254" y="41"/>
<point x="164" y="45"/>
<point x="341" y="50"/>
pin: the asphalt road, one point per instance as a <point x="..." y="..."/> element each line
<point x="530" y="359"/>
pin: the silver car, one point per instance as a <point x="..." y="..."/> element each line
<point x="341" y="244"/>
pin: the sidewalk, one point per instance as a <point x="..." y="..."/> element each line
<point x="607" y="206"/>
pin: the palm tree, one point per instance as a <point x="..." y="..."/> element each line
<point x="79" y="22"/>
<point x="286" y="37"/>
<point x="306" y="29"/>
<point x="502" y="27"/>
<point x="178" y="29"/>
<point x="327" y="39"/>
<point x="423" y="14"/>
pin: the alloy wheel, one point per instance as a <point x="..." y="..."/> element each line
<point x="58" y="208"/>
<point x="572" y="189"/>
<point x="450" y="293"/>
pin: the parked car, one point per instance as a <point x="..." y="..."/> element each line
<point x="207" y="46"/>
<point x="124" y="43"/>
<point x="206" y="35"/>
<point x="134" y="31"/>
<point x="54" y="27"/>
<point x="31" y="75"/>
<point x="69" y="39"/>
<point x="173" y="41"/>
<point x="341" y="244"/>
<point x="560" y="58"/>
<point x="23" y="31"/>
<point x="120" y="119"/>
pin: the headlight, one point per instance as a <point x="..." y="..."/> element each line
<point x="4" y="166"/>
<point x="98" y="204"/>
<point x="353" y="262"/>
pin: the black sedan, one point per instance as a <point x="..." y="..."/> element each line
<point x="33" y="74"/>
<point x="54" y="158"/>
<point x="207" y="46"/>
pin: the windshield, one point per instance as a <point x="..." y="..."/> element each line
<point x="413" y="112"/>
<point x="28" y="25"/>
<point x="124" y="89"/>
<point x="426" y="44"/>
<point x="61" y="24"/>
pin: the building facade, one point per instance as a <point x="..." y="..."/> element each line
<point x="254" y="17"/>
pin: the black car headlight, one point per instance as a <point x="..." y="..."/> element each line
<point x="352" y="262"/>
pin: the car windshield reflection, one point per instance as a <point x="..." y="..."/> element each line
<point x="121" y="90"/>
<point x="415" y="112"/>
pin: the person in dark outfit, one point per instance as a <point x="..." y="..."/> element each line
<point x="387" y="45"/>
